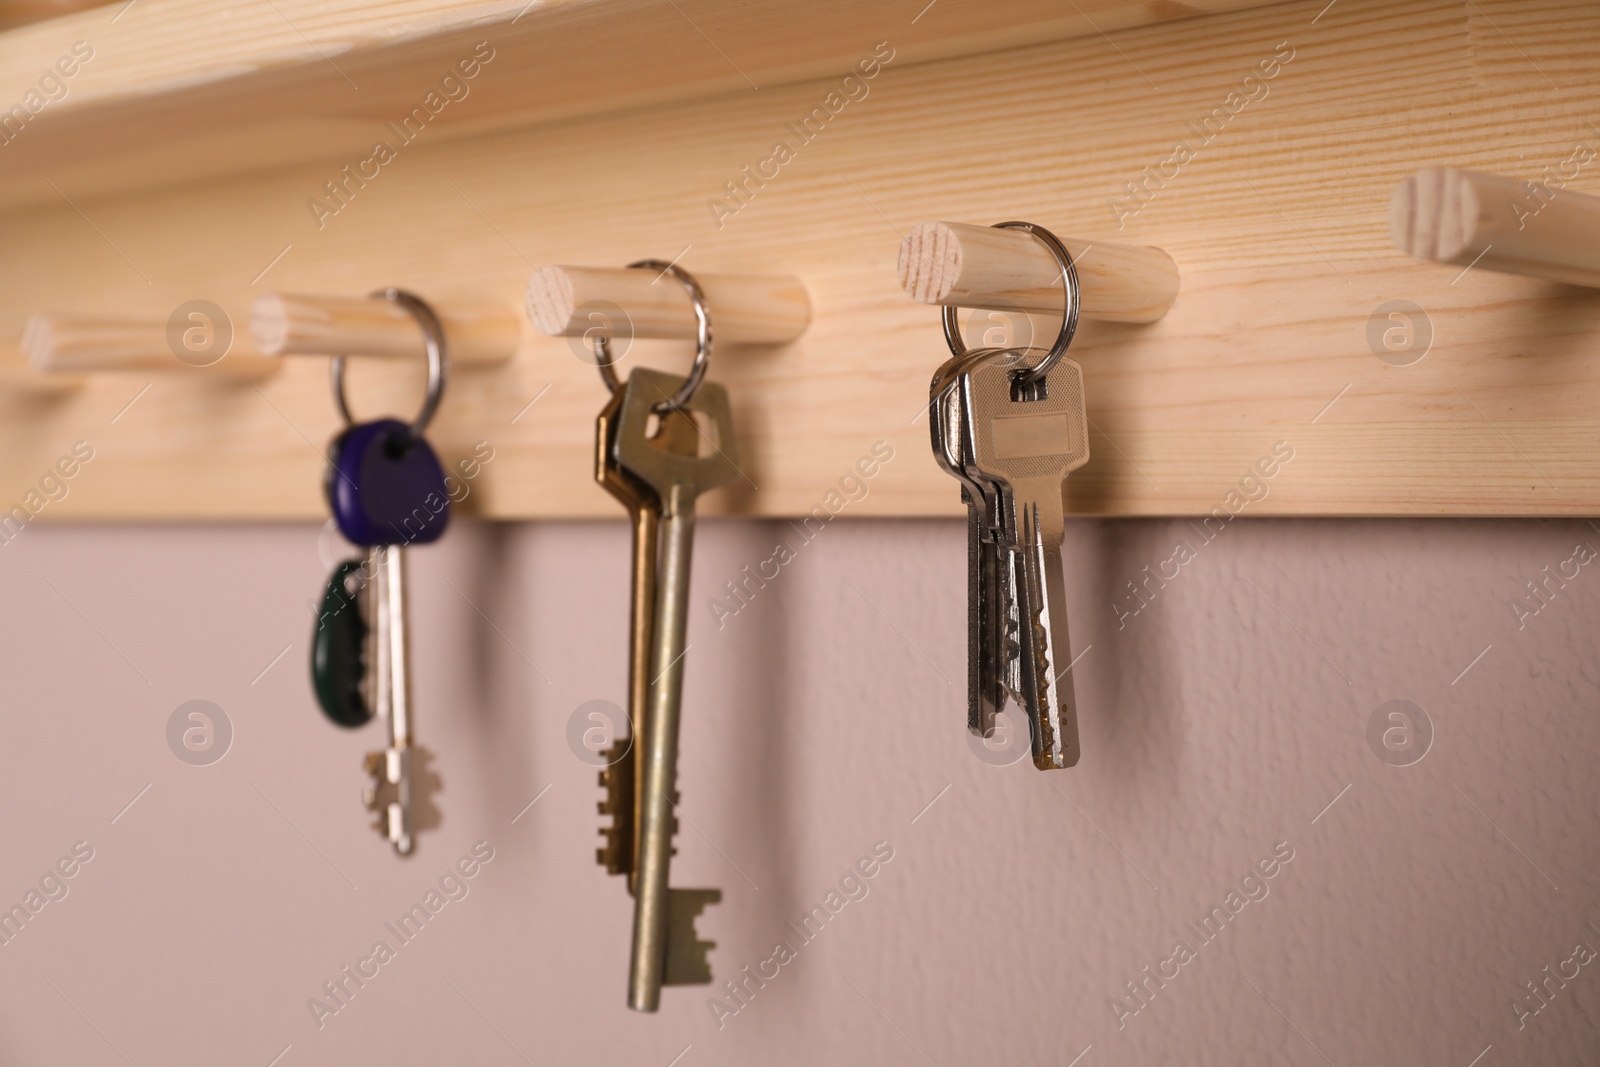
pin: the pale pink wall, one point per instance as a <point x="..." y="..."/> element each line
<point x="823" y="718"/>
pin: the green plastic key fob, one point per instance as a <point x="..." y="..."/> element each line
<point x="338" y="645"/>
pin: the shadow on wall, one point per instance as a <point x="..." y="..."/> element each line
<point x="759" y="673"/>
<point x="501" y="731"/>
<point x="1130" y="698"/>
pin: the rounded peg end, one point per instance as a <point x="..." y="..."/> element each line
<point x="550" y="300"/>
<point x="269" y="324"/>
<point x="1434" y="214"/>
<point x="930" y="262"/>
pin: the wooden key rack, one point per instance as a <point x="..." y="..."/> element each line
<point x="1223" y="172"/>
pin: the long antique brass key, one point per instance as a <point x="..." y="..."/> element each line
<point x="620" y="777"/>
<point x="676" y="480"/>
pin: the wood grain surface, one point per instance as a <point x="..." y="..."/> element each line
<point x="1276" y="212"/>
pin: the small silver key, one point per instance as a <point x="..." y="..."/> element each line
<point x="995" y="611"/>
<point x="986" y="695"/>
<point x="389" y="691"/>
<point x="1008" y="641"/>
<point x="1024" y="442"/>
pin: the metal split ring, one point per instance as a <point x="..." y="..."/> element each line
<point x="438" y="358"/>
<point x="1069" y="318"/>
<point x="702" y="355"/>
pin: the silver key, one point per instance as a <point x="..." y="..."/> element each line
<point x="389" y="692"/>
<point x="986" y="694"/>
<point x="1009" y="636"/>
<point x="677" y="480"/>
<point x="1009" y="641"/>
<point x="996" y="673"/>
<point x="1025" y="448"/>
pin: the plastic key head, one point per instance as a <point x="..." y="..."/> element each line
<point x="385" y="485"/>
<point x="338" y="645"/>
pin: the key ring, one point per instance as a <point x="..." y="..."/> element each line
<point x="438" y="358"/>
<point x="702" y="355"/>
<point x="1069" y="319"/>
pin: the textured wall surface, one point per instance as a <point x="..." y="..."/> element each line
<point x="1225" y="731"/>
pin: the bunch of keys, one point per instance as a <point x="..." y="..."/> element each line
<point x="1010" y="433"/>
<point x="386" y="490"/>
<point x="657" y="477"/>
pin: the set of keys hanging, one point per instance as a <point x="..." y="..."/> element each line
<point x="386" y="490"/>
<point x="1010" y="427"/>
<point x="656" y="458"/>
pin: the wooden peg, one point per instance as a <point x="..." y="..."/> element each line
<point x="758" y="309"/>
<point x="298" y="324"/>
<point x="17" y="379"/>
<point x="1516" y="227"/>
<point x="955" y="263"/>
<point x="73" y="345"/>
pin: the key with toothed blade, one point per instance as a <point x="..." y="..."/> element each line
<point x="986" y="589"/>
<point x="994" y="613"/>
<point x="985" y="695"/>
<point x="686" y="954"/>
<point x="664" y="949"/>
<point x="1023" y="441"/>
<point x="387" y="490"/>
<point x="620" y="776"/>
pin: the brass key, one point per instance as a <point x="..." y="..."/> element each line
<point x="621" y="775"/>
<point x="677" y="480"/>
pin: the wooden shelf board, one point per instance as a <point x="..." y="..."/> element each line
<point x="181" y="91"/>
<point x="1279" y="227"/>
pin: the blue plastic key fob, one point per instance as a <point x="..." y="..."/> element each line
<point x="385" y="485"/>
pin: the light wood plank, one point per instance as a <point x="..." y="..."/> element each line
<point x="1483" y="220"/>
<point x="187" y="90"/>
<point x="1278" y="224"/>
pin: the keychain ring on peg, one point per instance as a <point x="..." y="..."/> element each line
<point x="702" y="354"/>
<point x="438" y="358"/>
<point x="1069" y="318"/>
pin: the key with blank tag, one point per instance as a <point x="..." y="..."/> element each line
<point x="1025" y="440"/>
<point x="677" y="480"/>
